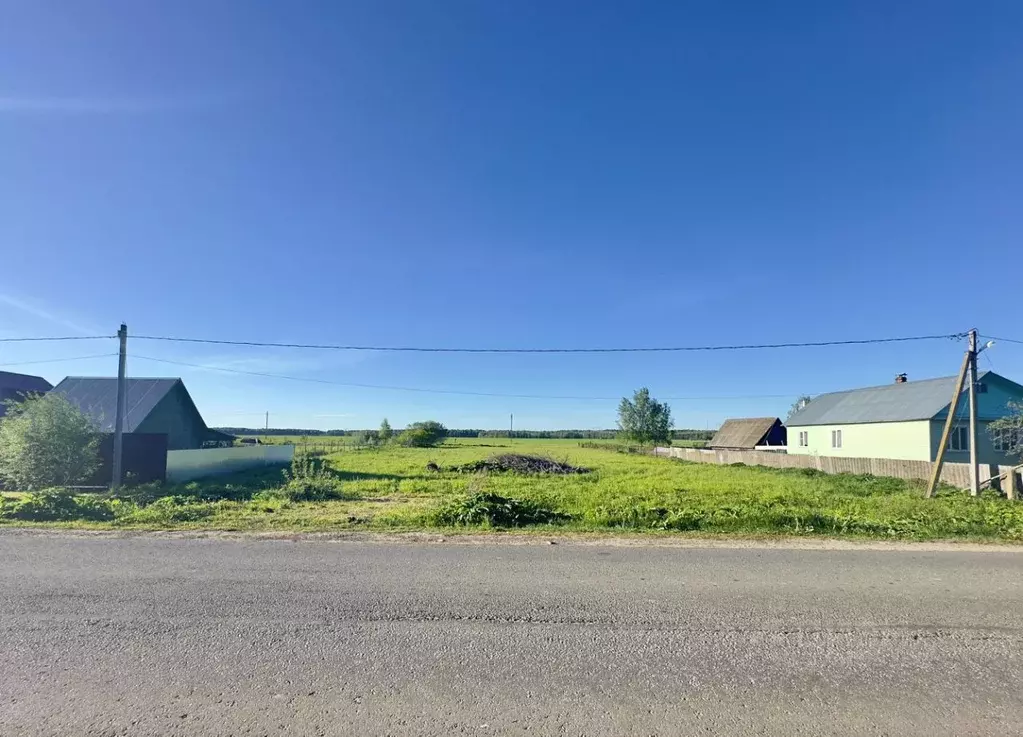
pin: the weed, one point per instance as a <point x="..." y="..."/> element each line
<point x="58" y="505"/>
<point x="165" y="510"/>
<point x="494" y="510"/>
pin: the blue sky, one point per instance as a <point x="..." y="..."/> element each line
<point x="494" y="174"/>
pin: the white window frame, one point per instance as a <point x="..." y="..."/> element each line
<point x="836" y="438"/>
<point x="804" y="438"/>
<point x="959" y="439"/>
<point x="1006" y="439"/>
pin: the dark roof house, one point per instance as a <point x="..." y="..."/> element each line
<point x="18" y="386"/>
<point x="152" y="406"/>
<point x="747" y="433"/>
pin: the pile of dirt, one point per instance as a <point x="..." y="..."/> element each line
<point x="517" y="463"/>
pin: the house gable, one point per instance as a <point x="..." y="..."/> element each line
<point x="176" y="416"/>
<point x="993" y="397"/>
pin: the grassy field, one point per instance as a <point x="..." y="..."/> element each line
<point x="391" y="489"/>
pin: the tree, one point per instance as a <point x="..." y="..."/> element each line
<point x="423" y="434"/>
<point x="385" y="431"/>
<point x="1007" y="432"/>
<point x="644" y="420"/>
<point x="46" y="441"/>
<point x="801" y="401"/>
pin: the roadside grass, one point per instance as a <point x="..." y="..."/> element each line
<point x="391" y="489"/>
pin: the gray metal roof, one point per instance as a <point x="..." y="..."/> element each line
<point x="914" y="400"/>
<point x="97" y="398"/>
<point x="24" y="382"/>
<point x="746" y="432"/>
<point x="17" y="386"/>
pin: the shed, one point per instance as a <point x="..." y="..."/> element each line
<point x="152" y="406"/>
<point x="747" y="433"/>
<point x="15" y="387"/>
<point x="218" y="439"/>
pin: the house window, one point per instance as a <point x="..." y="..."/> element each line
<point x="959" y="439"/>
<point x="804" y="438"/>
<point x="836" y="438"/>
<point x="1006" y="440"/>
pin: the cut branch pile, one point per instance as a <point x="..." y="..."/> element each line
<point x="516" y="463"/>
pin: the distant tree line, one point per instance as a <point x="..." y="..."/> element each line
<point x="681" y="434"/>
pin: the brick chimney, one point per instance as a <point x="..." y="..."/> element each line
<point x="901" y="379"/>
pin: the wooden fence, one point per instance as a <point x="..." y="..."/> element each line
<point x="956" y="474"/>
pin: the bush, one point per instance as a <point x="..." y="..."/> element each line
<point x="58" y="505"/>
<point x="46" y="441"/>
<point x="493" y="510"/>
<point x="423" y="435"/>
<point x="309" y="480"/>
<point x="366" y="438"/>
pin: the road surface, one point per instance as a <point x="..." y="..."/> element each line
<point x="157" y="636"/>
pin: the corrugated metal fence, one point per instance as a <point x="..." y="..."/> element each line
<point x="956" y="474"/>
<point x="185" y="465"/>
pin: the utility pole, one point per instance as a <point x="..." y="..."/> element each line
<point x="972" y="357"/>
<point x="511" y="424"/>
<point x="939" y="458"/>
<point x="115" y="478"/>
<point x="266" y="425"/>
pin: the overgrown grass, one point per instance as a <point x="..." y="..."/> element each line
<point x="390" y="489"/>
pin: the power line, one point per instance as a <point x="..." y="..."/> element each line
<point x="60" y="360"/>
<point x="57" y="338"/>
<point x="671" y="349"/>
<point x="1003" y="340"/>
<point x="431" y="391"/>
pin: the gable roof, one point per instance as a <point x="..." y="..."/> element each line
<point x="24" y="382"/>
<point x="745" y="432"/>
<point x="96" y="396"/>
<point x="913" y="400"/>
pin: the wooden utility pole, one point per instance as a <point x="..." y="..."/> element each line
<point x="974" y="469"/>
<point x="116" y="475"/>
<point x="939" y="459"/>
<point x="511" y="424"/>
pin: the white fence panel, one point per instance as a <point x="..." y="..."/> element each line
<point x="185" y="465"/>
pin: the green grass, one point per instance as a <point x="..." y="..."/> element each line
<point x="390" y="489"/>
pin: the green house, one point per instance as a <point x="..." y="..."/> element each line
<point x="904" y="421"/>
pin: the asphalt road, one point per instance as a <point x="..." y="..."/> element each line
<point x="151" y="636"/>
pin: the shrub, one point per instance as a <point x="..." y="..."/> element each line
<point x="309" y="480"/>
<point x="58" y="505"/>
<point x="423" y="435"/>
<point x="46" y="441"/>
<point x="365" y="438"/>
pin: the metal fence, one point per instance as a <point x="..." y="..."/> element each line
<point x="185" y="465"/>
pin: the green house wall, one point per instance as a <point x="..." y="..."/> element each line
<point x="177" y="417"/>
<point x="906" y="441"/>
